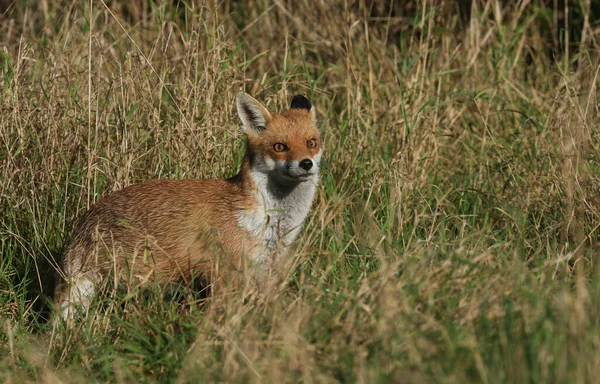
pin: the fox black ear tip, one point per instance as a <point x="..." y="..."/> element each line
<point x="300" y="102"/>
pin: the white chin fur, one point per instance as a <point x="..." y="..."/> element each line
<point x="290" y="175"/>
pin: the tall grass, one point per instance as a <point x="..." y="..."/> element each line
<point x="454" y="236"/>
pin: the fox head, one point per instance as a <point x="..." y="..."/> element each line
<point x="284" y="147"/>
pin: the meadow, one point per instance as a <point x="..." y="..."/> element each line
<point x="455" y="233"/>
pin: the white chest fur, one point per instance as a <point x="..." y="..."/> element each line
<point x="279" y="214"/>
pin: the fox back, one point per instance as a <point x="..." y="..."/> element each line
<point x="173" y="230"/>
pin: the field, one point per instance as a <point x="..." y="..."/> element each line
<point x="455" y="236"/>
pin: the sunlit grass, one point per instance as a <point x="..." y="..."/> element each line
<point x="454" y="235"/>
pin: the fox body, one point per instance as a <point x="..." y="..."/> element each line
<point x="171" y="230"/>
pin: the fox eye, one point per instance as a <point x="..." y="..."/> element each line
<point x="312" y="143"/>
<point x="279" y="147"/>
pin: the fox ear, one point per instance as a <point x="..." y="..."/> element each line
<point x="301" y="102"/>
<point x="254" y="116"/>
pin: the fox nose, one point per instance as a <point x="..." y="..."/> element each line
<point x="306" y="164"/>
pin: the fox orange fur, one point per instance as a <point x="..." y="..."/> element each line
<point x="170" y="230"/>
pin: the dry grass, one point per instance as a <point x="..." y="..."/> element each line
<point x="454" y="238"/>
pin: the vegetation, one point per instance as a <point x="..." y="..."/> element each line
<point x="455" y="234"/>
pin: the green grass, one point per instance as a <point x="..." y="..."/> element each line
<point x="454" y="236"/>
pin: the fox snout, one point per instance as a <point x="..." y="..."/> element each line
<point x="306" y="164"/>
<point x="302" y="170"/>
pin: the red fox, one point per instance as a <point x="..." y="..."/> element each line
<point x="171" y="230"/>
